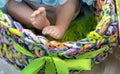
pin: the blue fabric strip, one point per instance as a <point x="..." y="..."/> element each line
<point x="89" y="2"/>
<point x="3" y="5"/>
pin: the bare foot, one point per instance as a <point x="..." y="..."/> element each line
<point x="54" y="31"/>
<point x="39" y="19"/>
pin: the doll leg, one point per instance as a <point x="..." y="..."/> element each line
<point x="64" y="15"/>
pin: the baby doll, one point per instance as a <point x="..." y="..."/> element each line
<point x="41" y="13"/>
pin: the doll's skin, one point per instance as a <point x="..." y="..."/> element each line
<point x="37" y="18"/>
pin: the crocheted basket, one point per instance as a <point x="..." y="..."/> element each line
<point x="34" y="53"/>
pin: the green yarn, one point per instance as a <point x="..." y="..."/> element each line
<point x="15" y="31"/>
<point x="119" y="7"/>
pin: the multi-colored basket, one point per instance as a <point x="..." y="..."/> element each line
<point x="33" y="54"/>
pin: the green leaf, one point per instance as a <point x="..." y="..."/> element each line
<point x="21" y="49"/>
<point x="61" y="66"/>
<point x="79" y="64"/>
<point x="50" y="67"/>
<point x="92" y="54"/>
<point x="34" y="66"/>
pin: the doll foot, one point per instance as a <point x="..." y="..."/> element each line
<point x="53" y="31"/>
<point x="39" y="19"/>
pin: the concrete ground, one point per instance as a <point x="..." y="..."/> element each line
<point x="6" y="68"/>
<point x="110" y="66"/>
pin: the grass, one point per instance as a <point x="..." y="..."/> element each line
<point x="80" y="27"/>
